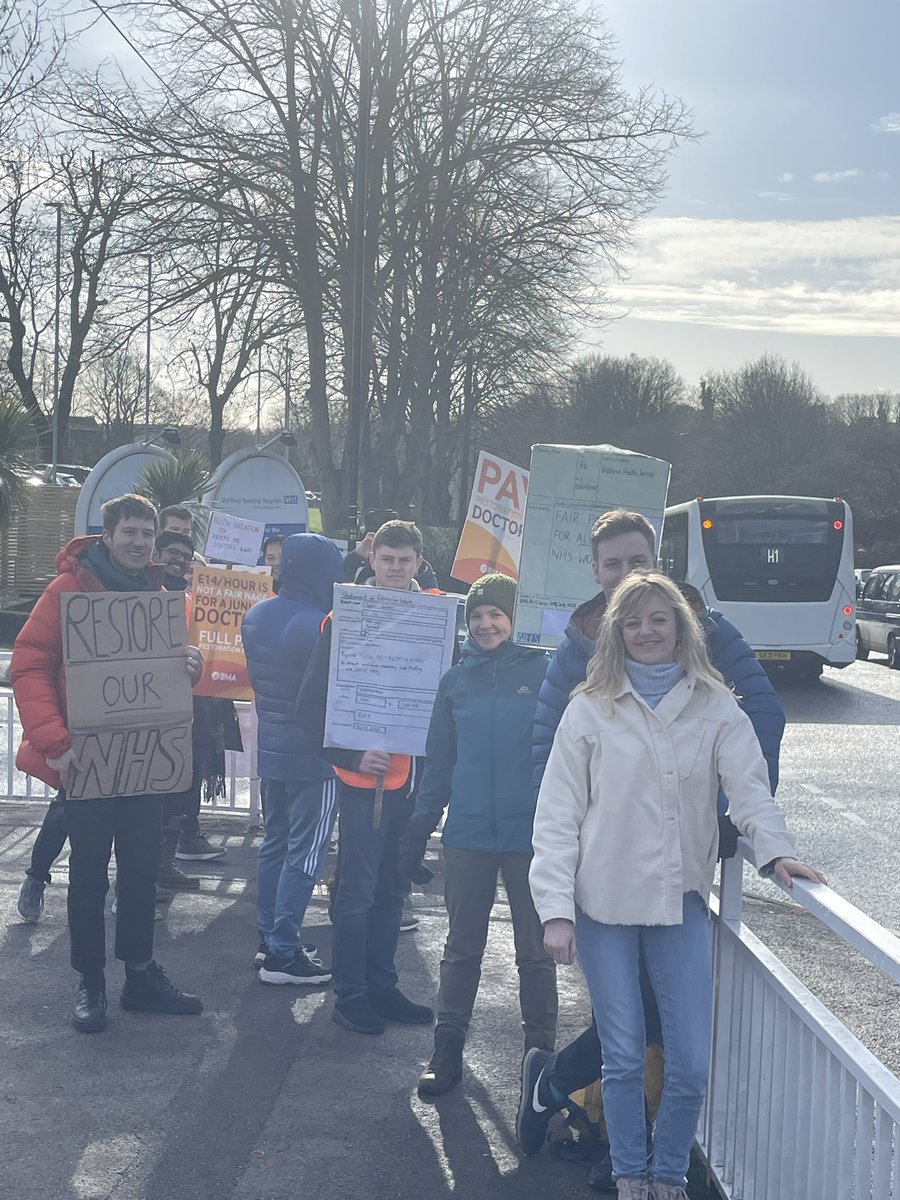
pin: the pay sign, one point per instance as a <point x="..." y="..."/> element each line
<point x="492" y="535"/>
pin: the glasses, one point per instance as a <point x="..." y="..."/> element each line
<point x="175" y="556"/>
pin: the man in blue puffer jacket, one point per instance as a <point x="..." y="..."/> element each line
<point x="298" y="785"/>
<point x="622" y="542"/>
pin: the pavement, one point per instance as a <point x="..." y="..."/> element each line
<point x="263" y="1096"/>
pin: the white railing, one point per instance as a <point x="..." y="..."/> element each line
<point x="798" y="1108"/>
<point x="241" y="779"/>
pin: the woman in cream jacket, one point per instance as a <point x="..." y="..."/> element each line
<point x="625" y="842"/>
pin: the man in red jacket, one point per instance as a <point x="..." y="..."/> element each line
<point x="117" y="560"/>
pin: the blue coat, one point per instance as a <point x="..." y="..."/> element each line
<point x="279" y="635"/>
<point x="728" y="651"/>
<point x="478" y="753"/>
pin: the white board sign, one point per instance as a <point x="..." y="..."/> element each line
<point x="260" y="485"/>
<point x="234" y="540"/>
<point x="389" y="651"/>
<point x="569" y="487"/>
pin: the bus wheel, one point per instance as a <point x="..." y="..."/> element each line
<point x="808" y="672"/>
<point x="893" y="654"/>
<point x="862" y="652"/>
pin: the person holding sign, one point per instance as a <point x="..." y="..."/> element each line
<point x="625" y="847"/>
<point x="375" y="800"/>
<point x="478" y="767"/>
<point x="116" y="561"/>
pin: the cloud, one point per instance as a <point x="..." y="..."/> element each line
<point x="836" y="176"/>
<point x="889" y="123"/>
<point x="786" y="177"/>
<point x="840" y="278"/>
<point x="782" y="197"/>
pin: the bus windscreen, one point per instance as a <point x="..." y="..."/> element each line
<point x="772" y="551"/>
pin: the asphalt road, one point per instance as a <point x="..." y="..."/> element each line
<point x="264" y="1098"/>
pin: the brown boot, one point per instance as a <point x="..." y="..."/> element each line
<point x="169" y="874"/>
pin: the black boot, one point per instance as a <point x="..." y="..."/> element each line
<point x="90" y="1005"/>
<point x="444" y="1071"/>
<point x="394" y="1006"/>
<point x="169" y="874"/>
<point x="152" y="991"/>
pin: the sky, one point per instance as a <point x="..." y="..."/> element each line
<point x="779" y="231"/>
<point x="780" y="228"/>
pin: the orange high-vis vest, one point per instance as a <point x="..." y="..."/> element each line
<point x="401" y="764"/>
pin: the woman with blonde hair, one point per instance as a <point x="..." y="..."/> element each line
<point x="625" y="842"/>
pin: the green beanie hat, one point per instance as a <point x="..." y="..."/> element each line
<point x="495" y="589"/>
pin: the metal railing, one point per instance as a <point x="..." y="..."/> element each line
<point x="798" y="1108"/>
<point x="241" y="779"/>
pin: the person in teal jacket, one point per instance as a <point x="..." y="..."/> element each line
<point x="478" y="767"/>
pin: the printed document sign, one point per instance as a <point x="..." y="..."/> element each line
<point x="234" y="540"/>
<point x="388" y="652"/>
<point x="492" y="535"/>
<point x="128" y="693"/>
<point x="569" y="487"/>
<point x="219" y="599"/>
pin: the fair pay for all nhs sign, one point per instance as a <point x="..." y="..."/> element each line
<point x="260" y="486"/>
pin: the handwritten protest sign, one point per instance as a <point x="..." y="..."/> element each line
<point x="128" y="693"/>
<point x="568" y="488"/>
<point x="492" y="535"/>
<point x="234" y="540"/>
<point x="219" y="599"/>
<point x="388" y="652"/>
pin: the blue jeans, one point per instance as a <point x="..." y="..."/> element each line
<point x="679" y="964"/>
<point x="299" y="818"/>
<point x="368" y="904"/>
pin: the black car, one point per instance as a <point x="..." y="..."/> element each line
<point x="878" y="616"/>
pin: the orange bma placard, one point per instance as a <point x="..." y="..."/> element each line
<point x="219" y="599"/>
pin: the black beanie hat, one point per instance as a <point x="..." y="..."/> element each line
<point x="495" y="589"/>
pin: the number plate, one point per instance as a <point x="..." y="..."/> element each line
<point x="774" y="655"/>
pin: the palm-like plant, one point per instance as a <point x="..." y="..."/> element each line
<point x="15" y="431"/>
<point x="174" y="480"/>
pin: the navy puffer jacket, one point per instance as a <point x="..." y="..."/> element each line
<point x="727" y="649"/>
<point x="478" y="754"/>
<point x="279" y="635"/>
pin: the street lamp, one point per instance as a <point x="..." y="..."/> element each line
<point x="284" y="436"/>
<point x="147" y="360"/>
<point x="55" y="420"/>
<point x="168" y="435"/>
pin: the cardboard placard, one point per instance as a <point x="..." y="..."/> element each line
<point x="569" y="487"/>
<point x="234" y="540"/>
<point x="128" y="693"/>
<point x="219" y="599"/>
<point x="492" y="535"/>
<point x="389" y="650"/>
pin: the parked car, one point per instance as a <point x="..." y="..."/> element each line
<point x="76" y="471"/>
<point x="861" y="574"/>
<point x="878" y="616"/>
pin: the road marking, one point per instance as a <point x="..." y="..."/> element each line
<point x="811" y="787"/>
<point x="830" y="802"/>
<point x="850" y="816"/>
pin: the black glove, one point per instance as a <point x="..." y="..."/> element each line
<point x="412" y="849"/>
<point x="728" y="837"/>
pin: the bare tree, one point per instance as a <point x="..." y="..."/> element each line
<point x="502" y="161"/>
<point x="94" y="200"/>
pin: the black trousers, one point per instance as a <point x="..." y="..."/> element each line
<point x="132" y="824"/>
<point x="49" y="842"/>
<point x="181" y="810"/>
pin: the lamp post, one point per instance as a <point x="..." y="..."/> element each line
<point x="259" y="384"/>
<point x="147" y="359"/>
<point x="54" y="455"/>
